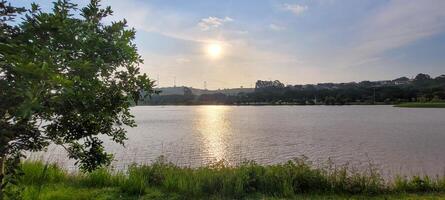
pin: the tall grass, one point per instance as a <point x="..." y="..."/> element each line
<point x="295" y="177"/>
<point x="39" y="173"/>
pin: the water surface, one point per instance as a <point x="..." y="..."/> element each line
<point x="398" y="140"/>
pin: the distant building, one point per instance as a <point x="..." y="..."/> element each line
<point x="384" y="83"/>
<point x="268" y="85"/>
<point x="187" y="91"/>
<point x="402" y="81"/>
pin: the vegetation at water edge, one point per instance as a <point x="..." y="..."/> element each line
<point x="422" y="88"/>
<point x="422" y="105"/>
<point x="163" y="180"/>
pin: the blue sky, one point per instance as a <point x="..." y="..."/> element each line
<point x="295" y="41"/>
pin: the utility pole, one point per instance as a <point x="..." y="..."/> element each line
<point x="174" y="81"/>
<point x="205" y="85"/>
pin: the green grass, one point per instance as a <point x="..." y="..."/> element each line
<point x="421" y="105"/>
<point x="296" y="179"/>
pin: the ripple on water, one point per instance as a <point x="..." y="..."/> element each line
<point x="407" y="141"/>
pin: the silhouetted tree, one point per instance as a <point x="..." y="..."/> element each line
<point x="422" y="77"/>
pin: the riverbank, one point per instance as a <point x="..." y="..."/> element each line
<point x="296" y="179"/>
<point x="421" y="105"/>
<point x="272" y="104"/>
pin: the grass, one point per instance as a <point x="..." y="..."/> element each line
<point x="422" y="105"/>
<point x="296" y="179"/>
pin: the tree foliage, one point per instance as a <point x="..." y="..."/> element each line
<point x="68" y="78"/>
<point x="423" y="88"/>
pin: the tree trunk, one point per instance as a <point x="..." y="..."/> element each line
<point x="2" y="175"/>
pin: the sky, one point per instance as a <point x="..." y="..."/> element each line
<point x="294" y="41"/>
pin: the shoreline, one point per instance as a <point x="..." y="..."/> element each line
<point x="401" y="105"/>
<point x="267" y="105"/>
<point x="421" y="105"/>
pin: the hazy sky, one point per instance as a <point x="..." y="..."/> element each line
<point x="295" y="41"/>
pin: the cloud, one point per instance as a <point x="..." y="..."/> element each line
<point x="212" y="22"/>
<point x="402" y="22"/>
<point x="145" y="17"/>
<point x="397" y="24"/>
<point x="297" y="9"/>
<point x="276" y="27"/>
<point x="191" y="65"/>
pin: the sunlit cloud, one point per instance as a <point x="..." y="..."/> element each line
<point x="268" y="41"/>
<point x="210" y="23"/>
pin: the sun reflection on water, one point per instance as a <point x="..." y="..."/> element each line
<point x="214" y="129"/>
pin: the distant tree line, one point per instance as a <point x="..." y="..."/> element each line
<point x="422" y="88"/>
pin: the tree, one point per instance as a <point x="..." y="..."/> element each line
<point x="440" y="78"/>
<point x="402" y="79"/>
<point x="422" y="77"/>
<point x="66" y="80"/>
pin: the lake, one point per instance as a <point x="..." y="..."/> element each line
<point x="396" y="140"/>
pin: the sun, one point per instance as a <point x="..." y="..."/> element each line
<point x="214" y="50"/>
